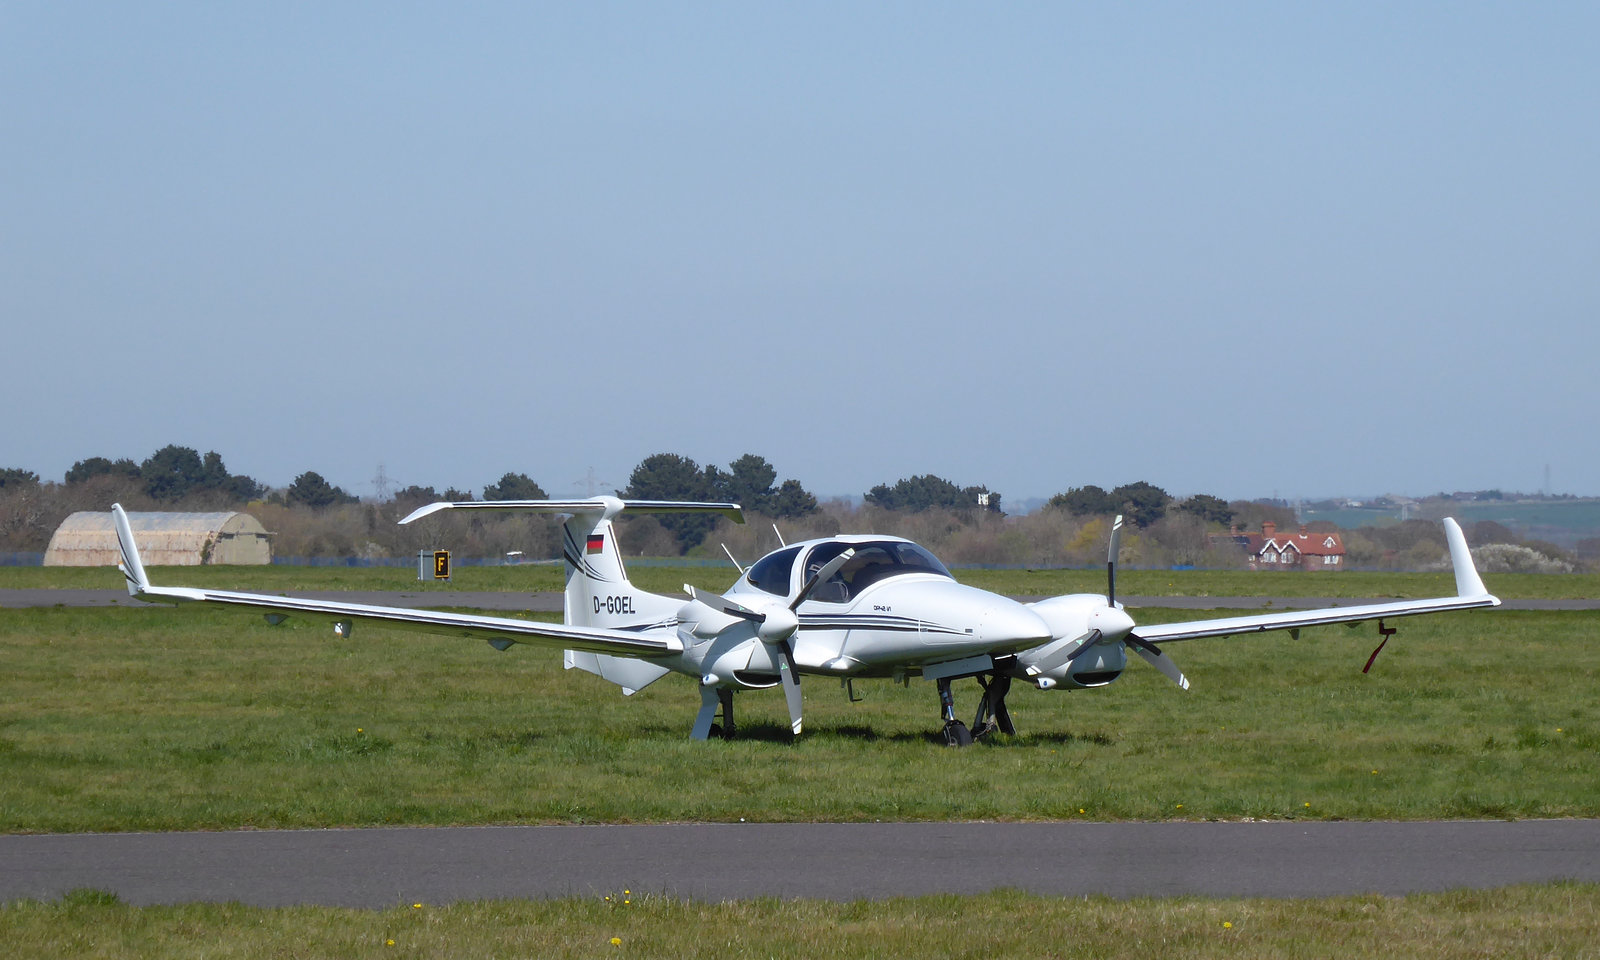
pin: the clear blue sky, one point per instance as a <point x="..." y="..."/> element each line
<point x="1271" y="248"/>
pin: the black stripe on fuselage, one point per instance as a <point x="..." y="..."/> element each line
<point x="869" y="622"/>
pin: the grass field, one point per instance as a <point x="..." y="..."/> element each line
<point x="156" y="718"/>
<point x="533" y="578"/>
<point x="1555" y="920"/>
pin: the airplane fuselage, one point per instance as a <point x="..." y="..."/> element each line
<point x="889" y="612"/>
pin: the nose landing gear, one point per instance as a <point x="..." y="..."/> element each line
<point x="956" y="733"/>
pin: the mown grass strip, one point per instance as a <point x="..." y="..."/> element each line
<point x="160" y="719"/>
<point x="1552" y="920"/>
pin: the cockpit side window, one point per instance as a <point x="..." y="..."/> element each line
<point x="872" y="562"/>
<point x="772" y="573"/>
<point x="914" y="558"/>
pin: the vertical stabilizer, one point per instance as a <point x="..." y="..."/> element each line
<point x="598" y="593"/>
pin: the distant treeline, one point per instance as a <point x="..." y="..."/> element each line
<point x="964" y="524"/>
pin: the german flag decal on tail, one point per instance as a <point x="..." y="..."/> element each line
<point x="597" y="543"/>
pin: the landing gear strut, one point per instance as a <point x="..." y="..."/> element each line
<point x="992" y="712"/>
<point x="725" y="729"/>
<point x="710" y="699"/>
<point x="955" y="732"/>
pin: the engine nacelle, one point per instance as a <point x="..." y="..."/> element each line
<point x="749" y="663"/>
<point x="1069" y="617"/>
<point x="1101" y="665"/>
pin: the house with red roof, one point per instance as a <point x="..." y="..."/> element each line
<point x="1290" y="551"/>
<point x="1271" y="550"/>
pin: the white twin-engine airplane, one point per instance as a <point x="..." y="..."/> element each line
<point x="846" y="607"/>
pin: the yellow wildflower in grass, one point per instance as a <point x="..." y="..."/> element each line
<point x="616" y="941"/>
<point x="1308" y="803"/>
<point x="1226" y="925"/>
<point x="416" y="906"/>
<point x="388" y="943"/>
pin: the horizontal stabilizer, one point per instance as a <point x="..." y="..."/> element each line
<point x="607" y="507"/>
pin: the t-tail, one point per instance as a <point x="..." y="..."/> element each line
<point x="598" y="592"/>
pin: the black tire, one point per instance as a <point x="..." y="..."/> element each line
<point x="957" y="735"/>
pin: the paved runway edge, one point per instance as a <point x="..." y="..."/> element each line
<point x="381" y="867"/>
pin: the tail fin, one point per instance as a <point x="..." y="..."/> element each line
<point x="598" y="592"/>
<point x="131" y="566"/>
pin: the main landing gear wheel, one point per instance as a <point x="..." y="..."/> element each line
<point x="956" y="734"/>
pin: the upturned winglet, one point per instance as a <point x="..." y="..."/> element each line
<point x="1468" y="583"/>
<point x="131" y="566"/>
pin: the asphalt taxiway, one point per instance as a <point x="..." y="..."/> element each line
<point x="381" y="867"/>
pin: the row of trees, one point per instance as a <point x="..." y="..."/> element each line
<point x="171" y="474"/>
<point x="928" y="492"/>
<point x="749" y="481"/>
<point x="964" y="524"/>
<point x="1142" y="504"/>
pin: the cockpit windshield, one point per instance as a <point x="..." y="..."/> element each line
<point x="771" y="573"/>
<point x="874" y="561"/>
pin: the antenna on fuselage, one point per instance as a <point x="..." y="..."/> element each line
<point x="736" y="563"/>
<point x="780" y="536"/>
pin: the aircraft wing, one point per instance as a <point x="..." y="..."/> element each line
<point x="1295" y="619"/>
<point x="1470" y="593"/>
<point x="497" y="630"/>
